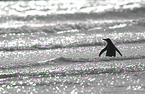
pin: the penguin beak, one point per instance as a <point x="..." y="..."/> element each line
<point x="104" y="39"/>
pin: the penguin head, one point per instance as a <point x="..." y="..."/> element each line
<point x="107" y="40"/>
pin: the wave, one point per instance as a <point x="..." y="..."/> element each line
<point x="48" y="83"/>
<point x="85" y="71"/>
<point x="127" y="13"/>
<point x="80" y="16"/>
<point x="62" y="60"/>
<point x="71" y="45"/>
<point x="45" y="28"/>
<point x="60" y="27"/>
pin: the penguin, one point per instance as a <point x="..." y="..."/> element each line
<point x="111" y="49"/>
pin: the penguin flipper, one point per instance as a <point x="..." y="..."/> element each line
<point x="102" y="51"/>
<point x="118" y="51"/>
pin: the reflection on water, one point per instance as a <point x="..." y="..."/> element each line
<point x="52" y="46"/>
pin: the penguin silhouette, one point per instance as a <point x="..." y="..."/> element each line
<point x="111" y="49"/>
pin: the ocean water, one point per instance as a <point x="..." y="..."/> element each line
<point x="52" y="46"/>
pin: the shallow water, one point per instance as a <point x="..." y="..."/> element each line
<point x="79" y="70"/>
<point x="53" y="46"/>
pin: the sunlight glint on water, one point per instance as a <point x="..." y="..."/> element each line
<point x="53" y="46"/>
